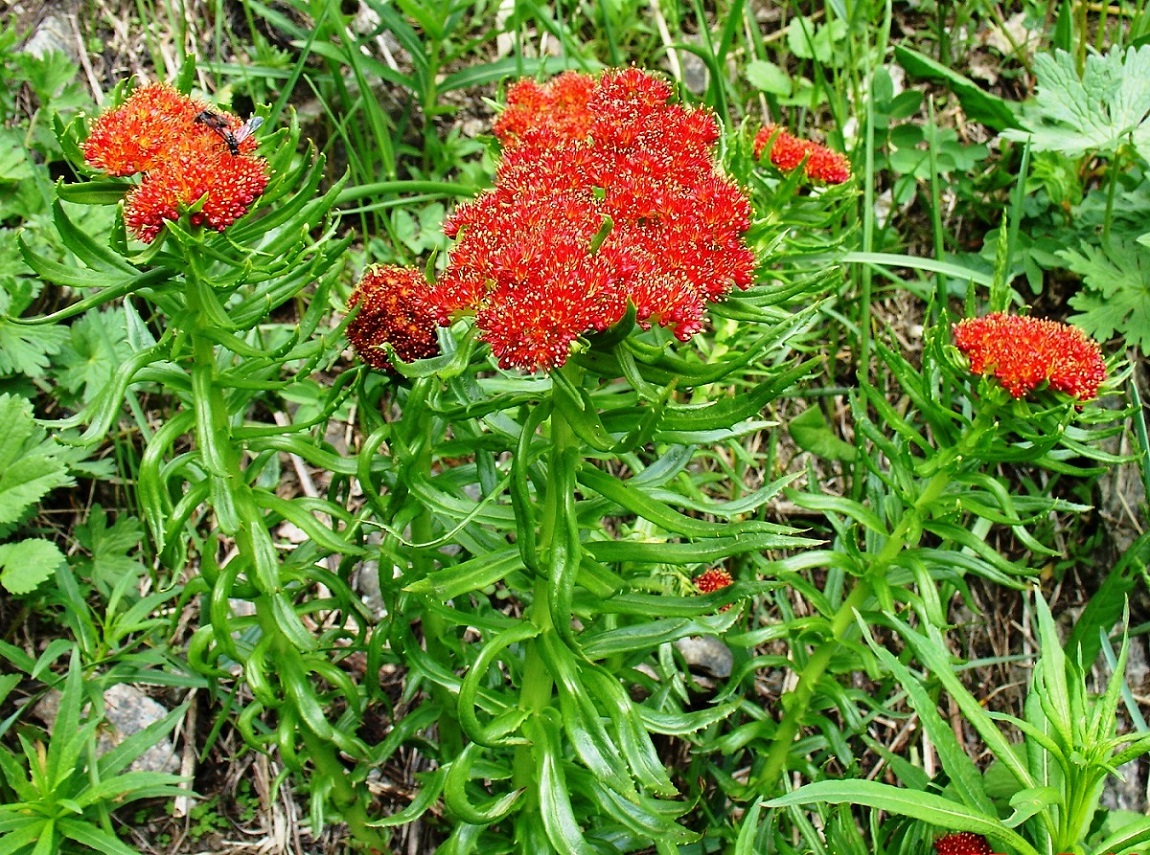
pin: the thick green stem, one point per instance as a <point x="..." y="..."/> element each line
<point x="553" y="547"/>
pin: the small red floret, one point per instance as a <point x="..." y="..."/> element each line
<point x="713" y="580"/>
<point x="962" y="843"/>
<point x="787" y="152"/>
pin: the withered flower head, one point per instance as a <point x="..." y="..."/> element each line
<point x="394" y="308"/>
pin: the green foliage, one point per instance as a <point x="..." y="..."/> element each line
<point x="534" y="539"/>
<point x="25" y="564"/>
<point x="30" y="468"/>
<point x="63" y="792"/>
<point x="1116" y="290"/>
<point x="1043" y="794"/>
<point x="1099" y="109"/>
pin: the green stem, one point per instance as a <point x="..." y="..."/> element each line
<point x="351" y="803"/>
<point x="842" y="629"/>
<point x="555" y="556"/>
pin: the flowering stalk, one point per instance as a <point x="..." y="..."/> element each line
<point x="843" y="626"/>
<point x="609" y="219"/>
<point x="195" y="172"/>
<point x="1020" y="354"/>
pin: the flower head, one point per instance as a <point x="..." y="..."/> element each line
<point x="787" y="152"/>
<point x="192" y="170"/>
<point x="962" y="843"/>
<point x="395" y="308"/>
<point x="1022" y="352"/>
<point x="186" y="152"/>
<point x="607" y="195"/>
<point x="713" y="580"/>
<point x="133" y="137"/>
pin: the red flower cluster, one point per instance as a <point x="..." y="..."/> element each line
<point x="962" y="843"/>
<point x="1022" y="352"/>
<point x="184" y="148"/>
<point x="606" y="195"/>
<point x="788" y="151"/>
<point x="395" y="307"/>
<point x="713" y="580"/>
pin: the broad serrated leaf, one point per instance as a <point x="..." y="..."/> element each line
<point x="24" y="565"/>
<point x="25" y="350"/>
<point x="1095" y="112"/>
<point x="28" y="466"/>
<point x="112" y="547"/>
<point x="1116" y="298"/>
<point x="93" y="348"/>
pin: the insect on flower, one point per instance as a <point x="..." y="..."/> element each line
<point x="231" y="138"/>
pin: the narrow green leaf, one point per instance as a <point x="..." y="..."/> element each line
<point x="926" y="807"/>
<point x="650" y="634"/>
<point x="431" y="786"/>
<point x="497" y="732"/>
<point x="1051" y="672"/>
<point x="630" y="731"/>
<point x="457" y="801"/>
<point x="94" y="837"/>
<point x="682" y="723"/>
<point x="964" y="775"/>
<point x="641" y="504"/>
<point x="471" y="575"/>
<point x="711" y="549"/>
<point x="1136" y="833"/>
<point x="555" y="809"/>
<point x="933" y="654"/>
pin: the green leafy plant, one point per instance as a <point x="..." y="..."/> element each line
<point x="30" y="467"/>
<point x="1041" y="795"/>
<point x="63" y="792"/>
<point x="212" y="293"/>
<point x="1099" y="111"/>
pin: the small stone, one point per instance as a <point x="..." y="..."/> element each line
<point x="706" y="654"/>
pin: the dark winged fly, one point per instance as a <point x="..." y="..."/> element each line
<point x="220" y="125"/>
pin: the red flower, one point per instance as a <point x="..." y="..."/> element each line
<point x="787" y="152"/>
<point x="561" y="106"/>
<point x="160" y="132"/>
<point x="1022" y="352"/>
<point x="962" y="843"/>
<point x="132" y="137"/>
<point x="713" y="580"/>
<point x="196" y="168"/>
<point x="395" y="308"/>
<point x="606" y="194"/>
